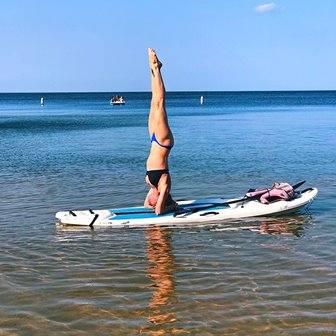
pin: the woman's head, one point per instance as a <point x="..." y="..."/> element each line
<point x="153" y="197"/>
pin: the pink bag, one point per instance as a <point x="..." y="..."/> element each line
<point x="278" y="192"/>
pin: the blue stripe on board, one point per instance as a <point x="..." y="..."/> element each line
<point x="203" y="202"/>
<point x="146" y="215"/>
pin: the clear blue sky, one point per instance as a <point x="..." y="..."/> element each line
<point x="101" y="45"/>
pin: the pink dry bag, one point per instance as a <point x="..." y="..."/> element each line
<point x="278" y="192"/>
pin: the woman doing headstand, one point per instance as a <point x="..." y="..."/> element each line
<point x="162" y="141"/>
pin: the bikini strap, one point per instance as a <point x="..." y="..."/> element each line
<point x="153" y="138"/>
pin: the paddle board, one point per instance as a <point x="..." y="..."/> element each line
<point x="189" y="212"/>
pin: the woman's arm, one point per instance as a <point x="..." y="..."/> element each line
<point x="160" y="208"/>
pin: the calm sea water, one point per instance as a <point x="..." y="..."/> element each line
<point x="253" y="277"/>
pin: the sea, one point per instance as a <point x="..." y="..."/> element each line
<point x="261" y="276"/>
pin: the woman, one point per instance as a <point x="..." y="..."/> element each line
<point x="157" y="176"/>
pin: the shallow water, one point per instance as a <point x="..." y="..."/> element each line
<point x="261" y="276"/>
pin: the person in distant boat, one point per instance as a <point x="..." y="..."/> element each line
<point x="162" y="141"/>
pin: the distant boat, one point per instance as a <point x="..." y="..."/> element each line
<point x="117" y="100"/>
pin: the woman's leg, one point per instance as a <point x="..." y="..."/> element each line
<point x="158" y="121"/>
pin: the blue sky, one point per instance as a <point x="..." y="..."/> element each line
<point x="101" y="45"/>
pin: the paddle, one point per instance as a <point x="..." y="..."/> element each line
<point x="239" y="200"/>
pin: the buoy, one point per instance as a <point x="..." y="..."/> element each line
<point x="202" y="100"/>
<point x="42" y="101"/>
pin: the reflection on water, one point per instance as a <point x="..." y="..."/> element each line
<point x="287" y="225"/>
<point x="160" y="271"/>
<point x="161" y="268"/>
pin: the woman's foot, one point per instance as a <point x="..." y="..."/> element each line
<point x="154" y="62"/>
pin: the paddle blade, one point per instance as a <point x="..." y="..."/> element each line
<point x="299" y="184"/>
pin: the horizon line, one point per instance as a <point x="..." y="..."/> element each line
<point x="171" y="91"/>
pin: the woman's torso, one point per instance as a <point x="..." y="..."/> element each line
<point x="158" y="157"/>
